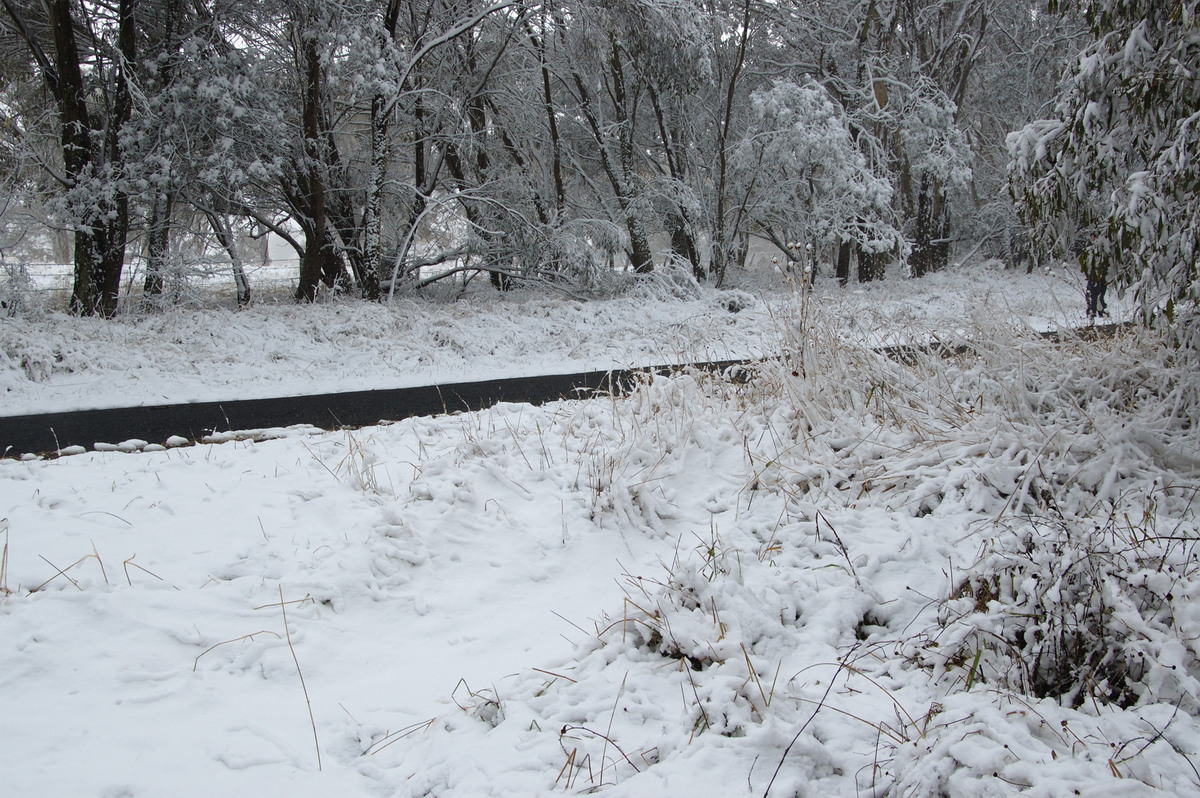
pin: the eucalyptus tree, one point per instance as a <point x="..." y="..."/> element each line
<point x="545" y="123"/>
<point x="429" y="69"/>
<point x="736" y="26"/>
<point x="511" y="152"/>
<point x="941" y="42"/>
<point x="605" y="91"/>
<point x="167" y="29"/>
<point x="1116" y="158"/>
<point x="809" y="186"/>
<point x="83" y="54"/>
<point x="899" y="69"/>
<point x="28" y="158"/>
<point x="608" y="66"/>
<point x="468" y="137"/>
<point x="347" y="79"/>
<point x="147" y="105"/>
<point x="201" y="134"/>
<point x="380" y="46"/>
<point x="303" y="38"/>
<point x="276" y="99"/>
<point x="672" y="50"/>
<point x="518" y="164"/>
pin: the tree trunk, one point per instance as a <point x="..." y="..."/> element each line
<point x="619" y="173"/>
<point x="479" y="215"/>
<point x="116" y="218"/>
<point x="552" y="127"/>
<point x="870" y="265"/>
<point x="425" y="177"/>
<point x="843" y="262"/>
<point x="683" y="243"/>
<point x="640" y="256"/>
<point x="158" y="246"/>
<point x="721" y="235"/>
<point x="312" y="265"/>
<point x="740" y="250"/>
<point x="684" y="246"/>
<point x="373" y="214"/>
<point x="372" y="266"/>
<point x="99" y="248"/>
<point x="334" y="273"/>
<point x="639" y="253"/>
<point x="931" y="249"/>
<point x="225" y="237"/>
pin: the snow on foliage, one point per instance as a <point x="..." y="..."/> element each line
<point x="1113" y="162"/>
<point x="834" y="573"/>
<point x="820" y="187"/>
<point x="936" y="145"/>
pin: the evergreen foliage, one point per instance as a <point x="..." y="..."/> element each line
<point x="1113" y="174"/>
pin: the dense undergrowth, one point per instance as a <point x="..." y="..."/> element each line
<point x="964" y="574"/>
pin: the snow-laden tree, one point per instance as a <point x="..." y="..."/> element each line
<point x="307" y="34"/>
<point x="372" y="109"/>
<point x="425" y="75"/>
<point x="738" y="32"/>
<point x="901" y="70"/>
<point x="1114" y="171"/>
<point x="936" y="49"/>
<point x="157" y="117"/>
<point x="1016" y="79"/>
<point x="934" y="159"/>
<point x="200" y="136"/>
<point x="535" y="139"/>
<point x="805" y="178"/>
<point x="611" y="61"/>
<point x="85" y="54"/>
<point x="27" y="143"/>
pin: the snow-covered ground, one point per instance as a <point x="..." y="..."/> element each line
<point x="56" y="362"/>
<point x="841" y="577"/>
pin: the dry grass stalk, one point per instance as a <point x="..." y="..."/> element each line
<point x="4" y="559"/>
<point x="251" y="636"/>
<point x="142" y="568"/>
<point x="307" y="701"/>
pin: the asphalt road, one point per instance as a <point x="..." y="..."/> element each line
<point x="50" y="433"/>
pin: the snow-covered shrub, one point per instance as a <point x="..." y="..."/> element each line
<point x="16" y="288"/>
<point x="578" y="253"/>
<point x="1079" y="612"/>
<point x="673" y="280"/>
<point x="714" y="616"/>
<point x="955" y="569"/>
<point x="734" y="301"/>
<point x="1075" y="597"/>
<point x="1068" y="466"/>
<point x="982" y="744"/>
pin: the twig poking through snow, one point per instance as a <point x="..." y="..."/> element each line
<point x="307" y="700"/>
<point x="796" y="739"/>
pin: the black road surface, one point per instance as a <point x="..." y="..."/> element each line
<point x="49" y="433"/>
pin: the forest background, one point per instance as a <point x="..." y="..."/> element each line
<point x="545" y="143"/>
